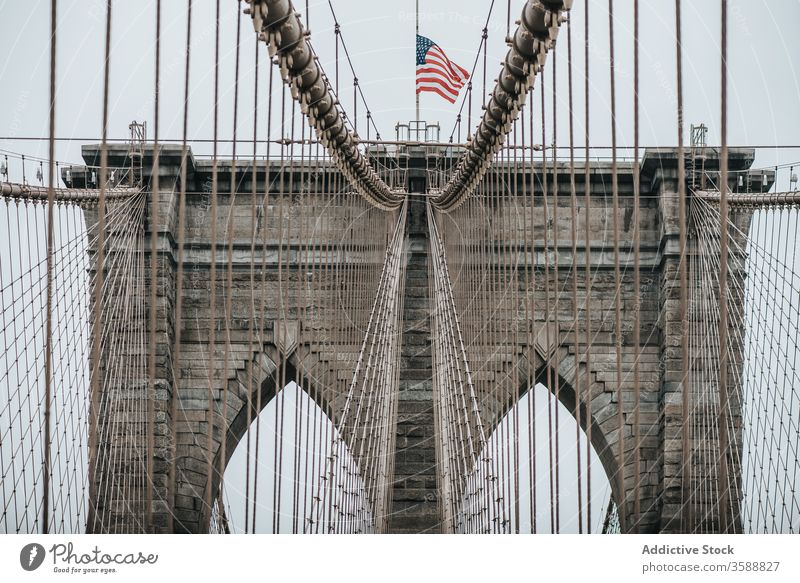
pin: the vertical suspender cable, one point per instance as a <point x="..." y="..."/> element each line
<point x="687" y="519"/>
<point x="557" y="288"/>
<point x="575" y="317"/>
<point x="48" y="368"/>
<point x="620" y="477"/>
<point x="252" y="315"/>
<point x="97" y="328"/>
<point x="637" y="291"/>
<point x="724" y="486"/>
<point x="548" y="312"/>
<point x="176" y="352"/>
<point x="532" y="314"/>
<point x="587" y="185"/>
<point x="514" y="253"/>
<point x="229" y="268"/>
<point x="154" y="227"/>
<point x="212" y="323"/>
<point x="280" y="330"/>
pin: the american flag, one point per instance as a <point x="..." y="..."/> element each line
<point x="437" y="73"/>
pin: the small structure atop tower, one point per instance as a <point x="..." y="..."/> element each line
<point x="138" y="133"/>
<point x="698" y="135"/>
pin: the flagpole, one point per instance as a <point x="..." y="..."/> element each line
<point x="415" y="45"/>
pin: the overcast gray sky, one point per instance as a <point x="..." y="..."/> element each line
<point x="764" y="52"/>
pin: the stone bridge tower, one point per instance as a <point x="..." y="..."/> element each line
<point x="258" y="364"/>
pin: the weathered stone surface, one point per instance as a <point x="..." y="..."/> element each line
<point x="261" y="283"/>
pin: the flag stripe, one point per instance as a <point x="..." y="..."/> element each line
<point x="434" y="71"/>
<point x="436" y="90"/>
<point x="445" y="69"/>
<point x="455" y="69"/>
<point x="439" y="82"/>
<point x="454" y="89"/>
<point x="432" y="80"/>
<point x="435" y="51"/>
<point x="433" y="62"/>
